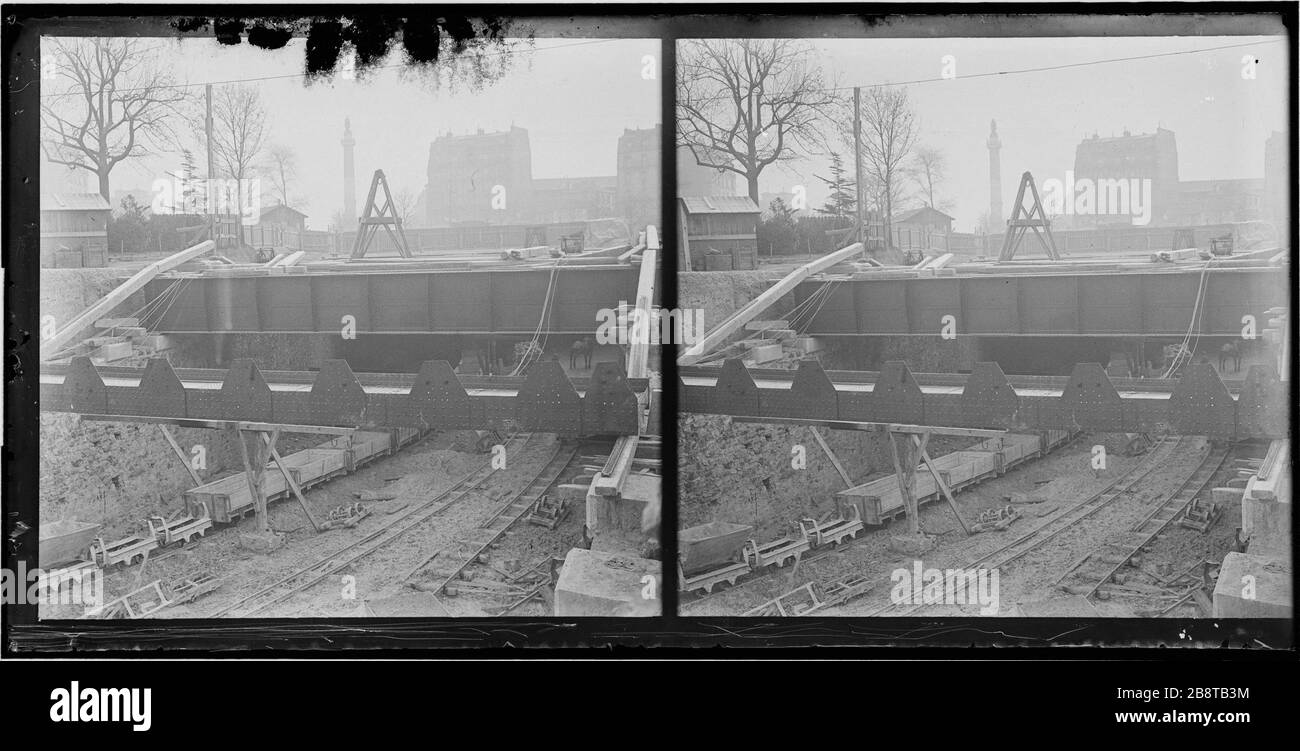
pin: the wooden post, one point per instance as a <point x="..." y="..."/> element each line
<point x="254" y="469"/>
<point x="639" y="358"/>
<point x="905" y="470"/>
<point x="943" y="486"/>
<point x="916" y="448"/>
<point x="288" y="477"/>
<point x="859" y="233"/>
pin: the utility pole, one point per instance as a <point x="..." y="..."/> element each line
<point x="207" y="183"/>
<point x="860" y="232"/>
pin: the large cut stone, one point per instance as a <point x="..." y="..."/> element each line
<point x="1252" y="586"/>
<point x="593" y="583"/>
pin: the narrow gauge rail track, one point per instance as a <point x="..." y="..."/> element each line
<point x="510" y="512"/>
<point x="1063" y="521"/>
<point x="340" y="559"/>
<point x="1089" y="573"/>
<point x="690" y="598"/>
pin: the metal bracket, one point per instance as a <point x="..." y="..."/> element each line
<point x="895" y="397"/>
<point x="83" y="390"/>
<point x="1262" y="405"/>
<point x="244" y="395"/>
<point x="438" y="399"/>
<point x="1201" y="404"/>
<point x="159" y="394"/>
<point x="988" y="399"/>
<point x="336" y="394"/>
<point x="547" y="401"/>
<point x="812" y="395"/>
<point x="609" y="406"/>
<point x="735" y="393"/>
<point x="1089" y="401"/>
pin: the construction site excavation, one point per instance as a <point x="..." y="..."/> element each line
<point x="426" y="405"/>
<point x="1079" y="410"/>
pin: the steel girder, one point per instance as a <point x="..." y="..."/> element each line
<point x="1197" y="404"/>
<point x="408" y="302"/>
<point x="1111" y="304"/>
<point x="435" y="398"/>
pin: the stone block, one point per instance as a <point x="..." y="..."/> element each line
<point x="912" y="545"/>
<point x="111" y="352"/>
<point x="1226" y="495"/>
<point x="804" y="345"/>
<point x="262" y="543"/>
<point x="1267" y="524"/>
<point x="1252" y="586"/>
<point x="593" y="583"/>
<point x="766" y="353"/>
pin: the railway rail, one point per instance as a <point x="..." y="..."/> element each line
<point x="809" y="546"/>
<point x="507" y="515"/>
<point x="340" y="559"/>
<point x="1087" y="575"/>
<point x="1063" y="521"/>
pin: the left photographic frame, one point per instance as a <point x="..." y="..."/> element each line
<point x="345" y="334"/>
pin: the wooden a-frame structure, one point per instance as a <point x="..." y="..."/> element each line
<point x="375" y="216"/>
<point x="1031" y="218"/>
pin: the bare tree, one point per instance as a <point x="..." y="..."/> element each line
<point x="282" y="165"/>
<point x="929" y="168"/>
<point x="238" y="132"/>
<point x="743" y="105"/>
<point x="405" y="202"/>
<point x="888" y="135"/>
<point x="112" y="101"/>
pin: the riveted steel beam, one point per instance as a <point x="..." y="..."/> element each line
<point x="1200" y="403"/>
<point x="1119" y="303"/>
<point x="544" y="400"/>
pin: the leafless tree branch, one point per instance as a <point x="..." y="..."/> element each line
<point x="111" y="101"/>
<point x="743" y="105"/>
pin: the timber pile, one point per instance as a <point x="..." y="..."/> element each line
<point x="119" y="341"/>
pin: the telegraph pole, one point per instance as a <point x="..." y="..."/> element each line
<point x="857" y="163"/>
<point x="207" y="183"/>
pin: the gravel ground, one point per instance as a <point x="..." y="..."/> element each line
<point x="425" y="470"/>
<point x="1064" y="478"/>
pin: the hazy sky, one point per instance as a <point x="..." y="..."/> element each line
<point x="1220" y="120"/>
<point x="574" y="96"/>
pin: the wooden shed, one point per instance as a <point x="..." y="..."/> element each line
<point x="74" y="230"/>
<point x="718" y="233"/>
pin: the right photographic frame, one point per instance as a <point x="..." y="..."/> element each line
<point x="992" y="319"/>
